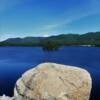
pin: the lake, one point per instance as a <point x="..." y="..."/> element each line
<point x="14" y="61"/>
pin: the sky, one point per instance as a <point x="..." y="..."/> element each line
<point x="21" y="18"/>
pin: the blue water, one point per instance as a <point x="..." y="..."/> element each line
<point x="16" y="60"/>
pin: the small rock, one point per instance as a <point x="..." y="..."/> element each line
<point x="4" y="97"/>
<point x="50" y="81"/>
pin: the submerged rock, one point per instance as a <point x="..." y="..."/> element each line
<point x="50" y="81"/>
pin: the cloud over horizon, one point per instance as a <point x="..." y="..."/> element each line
<point x="43" y="18"/>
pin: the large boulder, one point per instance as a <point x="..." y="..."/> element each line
<point x="50" y="81"/>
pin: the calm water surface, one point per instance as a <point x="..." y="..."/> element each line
<point x="16" y="60"/>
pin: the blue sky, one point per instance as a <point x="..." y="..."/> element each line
<point x="20" y="18"/>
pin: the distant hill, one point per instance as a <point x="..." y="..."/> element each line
<point x="34" y="40"/>
<point x="91" y="38"/>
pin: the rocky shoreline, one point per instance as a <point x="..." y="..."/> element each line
<point x="51" y="81"/>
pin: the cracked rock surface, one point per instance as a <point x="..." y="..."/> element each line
<point x="50" y="81"/>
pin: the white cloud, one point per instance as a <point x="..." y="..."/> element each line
<point x="64" y="19"/>
<point x="92" y="8"/>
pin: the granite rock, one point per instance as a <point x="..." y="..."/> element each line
<point x="4" y="97"/>
<point x="51" y="81"/>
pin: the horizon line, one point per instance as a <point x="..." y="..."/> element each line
<point x="22" y="37"/>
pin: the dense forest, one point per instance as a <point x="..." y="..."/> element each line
<point x="54" y="42"/>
